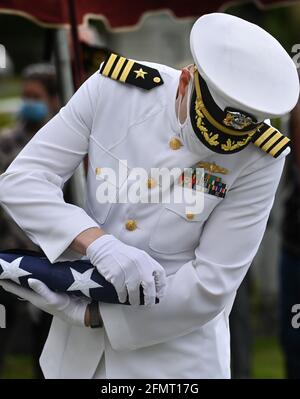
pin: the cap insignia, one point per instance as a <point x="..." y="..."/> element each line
<point x="237" y="120"/>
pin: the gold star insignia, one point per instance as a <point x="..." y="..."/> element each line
<point x="140" y="73"/>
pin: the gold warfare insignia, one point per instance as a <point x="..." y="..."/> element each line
<point x="212" y="167"/>
<point x="237" y="120"/>
<point x="128" y="71"/>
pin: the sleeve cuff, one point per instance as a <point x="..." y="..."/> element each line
<point x="116" y="327"/>
<point x="57" y="246"/>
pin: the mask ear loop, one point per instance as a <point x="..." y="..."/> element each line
<point x="197" y="85"/>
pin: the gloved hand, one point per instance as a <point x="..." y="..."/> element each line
<point x="126" y="268"/>
<point x="70" y="309"/>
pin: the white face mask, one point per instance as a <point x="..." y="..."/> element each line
<point x="187" y="134"/>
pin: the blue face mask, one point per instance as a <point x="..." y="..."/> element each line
<point x="33" y="111"/>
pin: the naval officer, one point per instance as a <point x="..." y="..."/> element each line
<point x="210" y="115"/>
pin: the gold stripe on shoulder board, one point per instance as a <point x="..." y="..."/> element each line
<point x="106" y="68"/>
<point x="272" y="141"/>
<point x="284" y="142"/>
<point x="131" y="72"/>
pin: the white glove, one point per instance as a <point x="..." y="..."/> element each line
<point x="127" y="268"/>
<point x="70" y="309"/>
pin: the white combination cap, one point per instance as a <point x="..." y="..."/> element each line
<point x="244" y="66"/>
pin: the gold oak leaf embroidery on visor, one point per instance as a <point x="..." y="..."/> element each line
<point x="218" y="137"/>
<point x="231" y="145"/>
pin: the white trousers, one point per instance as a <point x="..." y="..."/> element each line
<point x="100" y="372"/>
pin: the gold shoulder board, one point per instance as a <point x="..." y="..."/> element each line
<point x="270" y="140"/>
<point x="131" y="72"/>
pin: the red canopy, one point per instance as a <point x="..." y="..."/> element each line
<point x="115" y="13"/>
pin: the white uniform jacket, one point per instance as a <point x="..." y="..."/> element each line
<point x="205" y="256"/>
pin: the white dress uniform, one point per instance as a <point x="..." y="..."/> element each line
<point x="205" y="255"/>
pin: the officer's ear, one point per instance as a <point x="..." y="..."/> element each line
<point x="184" y="81"/>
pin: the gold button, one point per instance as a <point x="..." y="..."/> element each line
<point x="151" y="183"/>
<point x="175" y="143"/>
<point x="98" y="171"/>
<point x="190" y="216"/>
<point x="156" y="79"/>
<point x="131" y="225"/>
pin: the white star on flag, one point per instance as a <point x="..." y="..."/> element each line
<point x="12" y="270"/>
<point x="83" y="282"/>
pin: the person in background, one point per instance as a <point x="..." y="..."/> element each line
<point x="40" y="102"/>
<point x="290" y="254"/>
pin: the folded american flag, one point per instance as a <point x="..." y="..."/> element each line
<point x="79" y="277"/>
